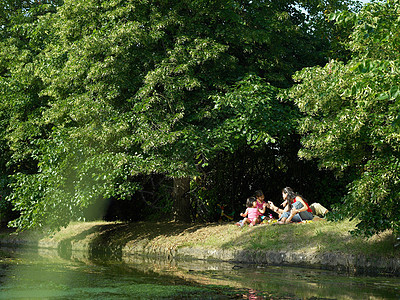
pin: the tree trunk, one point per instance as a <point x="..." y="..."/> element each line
<point x="181" y="208"/>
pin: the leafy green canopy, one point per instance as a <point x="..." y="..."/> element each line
<point x="107" y="90"/>
<point x="351" y="115"/>
<point x="20" y="104"/>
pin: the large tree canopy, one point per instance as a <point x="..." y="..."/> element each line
<point x="105" y="91"/>
<point x="351" y="115"/>
<point x="20" y="103"/>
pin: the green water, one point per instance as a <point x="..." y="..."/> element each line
<point x="44" y="274"/>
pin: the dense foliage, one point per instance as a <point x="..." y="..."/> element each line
<point x="351" y="116"/>
<point x="112" y="101"/>
<point x="20" y="104"/>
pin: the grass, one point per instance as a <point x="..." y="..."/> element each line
<point x="318" y="236"/>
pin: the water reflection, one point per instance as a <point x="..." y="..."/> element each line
<point x="286" y="282"/>
<point x="45" y="274"/>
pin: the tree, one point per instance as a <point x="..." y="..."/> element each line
<point x="130" y="88"/>
<point x="351" y="116"/>
<point x="20" y="104"/>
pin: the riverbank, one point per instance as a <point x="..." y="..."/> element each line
<point x="321" y="244"/>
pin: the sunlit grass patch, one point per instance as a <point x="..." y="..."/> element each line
<point x="316" y="236"/>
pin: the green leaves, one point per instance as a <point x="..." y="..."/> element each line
<point x="251" y="114"/>
<point x="350" y="116"/>
<point x="99" y="93"/>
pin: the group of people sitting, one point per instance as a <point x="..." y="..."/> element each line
<point x="294" y="208"/>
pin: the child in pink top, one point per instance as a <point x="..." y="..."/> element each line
<point x="261" y="204"/>
<point x="252" y="213"/>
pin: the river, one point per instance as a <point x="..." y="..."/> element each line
<point x="46" y="274"/>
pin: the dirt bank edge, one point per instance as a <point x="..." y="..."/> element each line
<point x="353" y="264"/>
<point x="126" y="240"/>
<point x="337" y="261"/>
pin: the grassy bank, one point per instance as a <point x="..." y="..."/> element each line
<point x="314" y="237"/>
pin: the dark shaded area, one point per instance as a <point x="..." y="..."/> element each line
<point x="152" y="202"/>
<point x="231" y="178"/>
<point x="227" y="181"/>
<point x="271" y="169"/>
